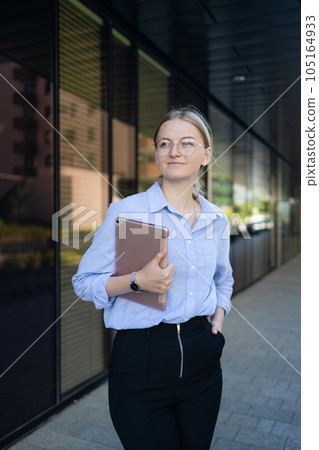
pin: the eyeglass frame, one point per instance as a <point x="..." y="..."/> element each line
<point x="177" y="142"/>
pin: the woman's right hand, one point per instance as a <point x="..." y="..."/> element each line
<point x="153" y="278"/>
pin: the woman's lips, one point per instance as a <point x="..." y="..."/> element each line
<point x="176" y="164"/>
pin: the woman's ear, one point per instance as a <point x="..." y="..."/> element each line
<point x="207" y="157"/>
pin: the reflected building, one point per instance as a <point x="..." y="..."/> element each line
<point x="83" y="87"/>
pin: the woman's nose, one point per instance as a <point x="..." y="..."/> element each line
<point x="175" y="150"/>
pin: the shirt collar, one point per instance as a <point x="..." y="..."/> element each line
<point x="157" y="201"/>
<point x="156" y="198"/>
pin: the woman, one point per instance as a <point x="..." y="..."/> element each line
<point x="165" y="378"/>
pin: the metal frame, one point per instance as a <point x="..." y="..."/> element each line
<point x="109" y="108"/>
<point x="56" y="192"/>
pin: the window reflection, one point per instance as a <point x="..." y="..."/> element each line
<point x="260" y="207"/>
<point x="26" y="189"/>
<point x="153" y="88"/>
<point x="123" y="129"/>
<point x="288" y="211"/>
<point x="83" y="182"/>
<point x="26" y="247"/>
<point x="222" y="182"/>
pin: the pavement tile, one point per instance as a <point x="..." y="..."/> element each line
<point x="228" y="383"/>
<point x="49" y="439"/>
<point x="254" y="399"/>
<point x="271" y="413"/>
<point x="90" y="414"/>
<point x="224" y="444"/>
<point x="287" y="430"/>
<point x="290" y="376"/>
<point x="213" y="442"/>
<point x="226" y="431"/>
<point x="296" y="386"/>
<point x="291" y="405"/>
<point x="272" y="363"/>
<point x="265" y="425"/>
<point x="233" y="394"/>
<point x="70" y="426"/>
<point x="22" y="445"/>
<point x="249" y="387"/>
<point x="101" y="435"/>
<point x="292" y="445"/>
<point x="237" y="378"/>
<point x="263" y="381"/>
<point x="79" y="412"/>
<point x="287" y="368"/>
<point x="283" y="385"/>
<point x="233" y="406"/>
<point x="223" y="416"/>
<point x="243" y="367"/>
<point x="242" y="420"/>
<point x="254" y="437"/>
<point x="275" y="403"/>
<point x="98" y="404"/>
<point x="296" y="420"/>
<point x="254" y="447"/>
<point x="280" y="393"/>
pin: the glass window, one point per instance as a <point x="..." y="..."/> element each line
<point x="27" y="306"/>
<point x="288" y="211"/>
<point x="221" y="170"/>
<point x="123" y="126"/>
<point x="153" y="103"/>
<point x="241" y="242"/>
<point x="84" y="184"/>
<point x="260" y="221"/>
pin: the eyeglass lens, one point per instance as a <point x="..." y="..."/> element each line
<point x="185" y="146"/>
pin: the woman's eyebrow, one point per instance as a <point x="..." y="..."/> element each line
<point x="184" y="137"/>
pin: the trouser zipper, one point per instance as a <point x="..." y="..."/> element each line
<point x="181" y="347"/>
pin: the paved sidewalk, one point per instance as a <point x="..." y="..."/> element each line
<point x="261" y="398"/>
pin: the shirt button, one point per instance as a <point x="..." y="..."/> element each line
<point x="188" y="242"/>
<point x="185" y="319"/>
<point x="192" y="267"/>
<point x="191" y="293"/>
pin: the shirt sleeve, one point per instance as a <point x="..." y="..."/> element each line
<point x="223" y="278"/>
<point x="98" y="263"/>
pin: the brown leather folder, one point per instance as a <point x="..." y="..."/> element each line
<point x="136" y="244"/>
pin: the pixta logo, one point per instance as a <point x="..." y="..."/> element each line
<point x="70" y="227"/>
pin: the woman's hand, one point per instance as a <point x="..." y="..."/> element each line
<point x="153" y="278"/>
<point x="217" y="320"/>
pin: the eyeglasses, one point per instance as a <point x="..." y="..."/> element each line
<point x="186" y="146"/>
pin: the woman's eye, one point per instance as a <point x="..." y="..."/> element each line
<point x="187" y="143"/>
<point x="164" y="144"/>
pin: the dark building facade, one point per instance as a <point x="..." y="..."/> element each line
<point x="83" y="85"/>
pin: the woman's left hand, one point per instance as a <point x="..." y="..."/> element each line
<point x="217" y="320"/>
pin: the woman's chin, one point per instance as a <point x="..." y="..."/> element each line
<point x="179" y="177"/>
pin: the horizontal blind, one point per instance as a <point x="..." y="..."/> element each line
<point x="82" y="123"/>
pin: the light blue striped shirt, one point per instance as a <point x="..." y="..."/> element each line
<point x="202" y="276"/>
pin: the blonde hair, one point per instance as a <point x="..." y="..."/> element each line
<point x="194" y="116"/>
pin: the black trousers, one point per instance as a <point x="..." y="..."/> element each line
<point x="164" y="387"/>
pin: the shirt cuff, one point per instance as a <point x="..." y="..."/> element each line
<point x="224" y="303"/>
<point x="99" y="293"/>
